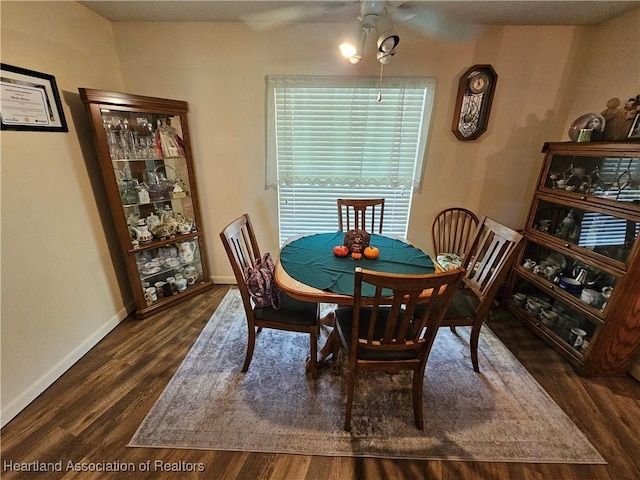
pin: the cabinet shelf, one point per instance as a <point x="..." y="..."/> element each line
<point x="148" y="174"/>
<point x="581" y="257"/>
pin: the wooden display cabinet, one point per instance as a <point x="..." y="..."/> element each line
<point x="581" y="259"/>
<point x="144" y="152"/>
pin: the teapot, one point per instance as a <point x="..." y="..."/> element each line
<point x="581" y="277"/>
<point x="551" y="271"/>
<point x="142" y="231"/>
<point x="170" y="218"/>
<point x="185" y="226"/>
<point x="163" y="230"/>
<point x="186" y="252"/>
<point x="153" y="220"/>
<point x="586" y="275"/>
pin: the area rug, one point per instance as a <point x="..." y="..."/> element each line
<point x="501" y="414"/>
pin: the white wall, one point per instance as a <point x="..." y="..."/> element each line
<point x="60" y="288"/>
<point x="63" y="282"/>
<point x="225" y="89"/>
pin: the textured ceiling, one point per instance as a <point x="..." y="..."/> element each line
<point x="577" y="12"/>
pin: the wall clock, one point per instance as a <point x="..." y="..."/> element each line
<point x="473" y="103"/>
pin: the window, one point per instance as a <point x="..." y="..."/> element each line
<point x="330" y="137"/>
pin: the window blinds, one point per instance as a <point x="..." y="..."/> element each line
<point x="329" y="138"/>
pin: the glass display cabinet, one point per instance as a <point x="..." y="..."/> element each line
<point x="145" y="158"/>
<point x="577" y="280"/>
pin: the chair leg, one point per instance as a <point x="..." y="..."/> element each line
<point x="314" y="353"/>
<point x="350" y="393"/>
<point x="418" y="382"/>
<point x="473" y="345"/>
<point x="251" y="343"/>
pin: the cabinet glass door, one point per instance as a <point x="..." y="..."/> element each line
<point x="170" y="269"/>
<point x="616" y="179"/>
<point x="567" y="278"/>
<point x="150" y="167"/>
<point x="608" y="234"/>
<point x="557" y="318"/>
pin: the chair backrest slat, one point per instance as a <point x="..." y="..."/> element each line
<point x="491" y="253"/>
<point x="242" y="249"/>
<point x="365" y="214"/>
<point x="401" y="329"/>
<point x="452" y="230"/>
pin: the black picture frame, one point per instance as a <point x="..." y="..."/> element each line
<point x="634" y="131"/>
<point x="30" y="101"/>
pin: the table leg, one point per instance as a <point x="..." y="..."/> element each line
<point x="329" y="319"/>
<point x="330" y="348"/>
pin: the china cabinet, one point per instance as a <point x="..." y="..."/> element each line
<point x="577" y="281"/>
<point x="145" y="159"/>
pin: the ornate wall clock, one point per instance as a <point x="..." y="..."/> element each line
<point x="473" y="103"/>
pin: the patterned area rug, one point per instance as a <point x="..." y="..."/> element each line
<point x="499" y="415"/>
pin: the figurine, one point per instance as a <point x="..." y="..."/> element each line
<point x="356" y="240"/>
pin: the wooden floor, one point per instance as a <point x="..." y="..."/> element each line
<point x="88" y="416"/>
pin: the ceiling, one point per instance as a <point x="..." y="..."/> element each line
<point x="575" y="12"/>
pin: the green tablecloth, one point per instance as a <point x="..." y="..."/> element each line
<point x="310" y="260"/>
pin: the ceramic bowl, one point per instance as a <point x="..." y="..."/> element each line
<point x="571" y="285"/>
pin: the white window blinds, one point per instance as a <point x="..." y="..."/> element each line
<point x="329" y="138"/>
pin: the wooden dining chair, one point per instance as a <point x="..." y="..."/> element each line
<point x="385" y="336"/>
<point x="365" y="214"/>
<point x="294" y="315"/>
<point x="452" y="231"/>
<point x="487" y="260"/>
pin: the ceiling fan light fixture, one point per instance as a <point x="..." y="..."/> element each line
<point x="384" y="57"/>
<point x="353" y="43"/>
<point x="388" y="38"/>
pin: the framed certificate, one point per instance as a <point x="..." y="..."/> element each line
<point x="30" y="101"/>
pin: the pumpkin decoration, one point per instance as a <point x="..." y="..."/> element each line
<point x="371" y="252"/>
<point x="340" y="251"/>
<point x="356" y="255"/>
<point x="356" y="240"/>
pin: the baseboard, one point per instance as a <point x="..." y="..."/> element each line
<point x="23" y="400"/>
<point x="224" y="280"/>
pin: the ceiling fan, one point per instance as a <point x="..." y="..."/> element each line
<point x="374" y="16"/>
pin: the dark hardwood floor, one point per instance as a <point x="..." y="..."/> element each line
<point x="88" y="416"/>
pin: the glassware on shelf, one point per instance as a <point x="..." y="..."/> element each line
<point x="128" y="188"/>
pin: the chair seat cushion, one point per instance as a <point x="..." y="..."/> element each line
<point x="344" y="317"/>
<point x="463" y="305"/>
<point x="449" y="261"/>
<point x="291" y="311"/>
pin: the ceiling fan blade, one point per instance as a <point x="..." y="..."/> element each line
<point x="279" y="17"/>
<point x="431" y="23"/>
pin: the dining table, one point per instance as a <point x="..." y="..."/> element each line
<point x="308" y="270"/>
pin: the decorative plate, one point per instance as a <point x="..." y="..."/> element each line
<point x="588" y="120"/>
